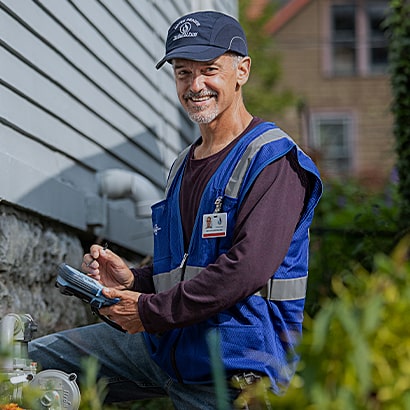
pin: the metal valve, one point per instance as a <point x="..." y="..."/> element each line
<point x="54" y="389"/>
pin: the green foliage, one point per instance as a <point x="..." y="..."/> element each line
<point x="398" y="28"/>
<point x="6" y="391"/>
<point x="221" y="391"/>
<point x="350" y="226"/>
<point x="356" y="351"/>
<point x="260" y="94"/>
<point x="92" y="392"/>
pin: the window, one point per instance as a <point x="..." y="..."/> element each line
<point x="331" y="136"/>
<point x="358" y="43"/>
<point x="377" y="40"/>
<point x="344" y="39"/>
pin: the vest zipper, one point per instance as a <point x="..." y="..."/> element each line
<point x="174" y="363"/>
<point x="182" y="266"/>
<point x="218" y="204"/>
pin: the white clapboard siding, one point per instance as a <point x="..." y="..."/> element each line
<point x="79" y="94"/>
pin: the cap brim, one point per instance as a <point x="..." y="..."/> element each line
<point x="195" y="53"/>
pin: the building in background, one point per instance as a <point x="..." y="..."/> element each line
<point x="88" y="131"/>
<point x="334" y="58"/>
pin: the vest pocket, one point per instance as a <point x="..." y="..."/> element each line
<point x="241" y="343"/>
<point x="241" y="346"/>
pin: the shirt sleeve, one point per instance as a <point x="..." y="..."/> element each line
<point x="265" y="225"/>
<point x="143" y="279"/>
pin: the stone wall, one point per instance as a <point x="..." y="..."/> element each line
<point x="31" y="248"/>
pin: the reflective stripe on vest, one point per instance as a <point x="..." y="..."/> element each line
<point x="275" y="289"/>
<point x="175" y="167"/>
<point x="235" y="182"/>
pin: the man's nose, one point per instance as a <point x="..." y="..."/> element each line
<point x="197" y="83"/>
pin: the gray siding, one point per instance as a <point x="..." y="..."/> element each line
<point x="79" y="94"/>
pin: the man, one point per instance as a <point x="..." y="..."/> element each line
<point x="242" y="276"/>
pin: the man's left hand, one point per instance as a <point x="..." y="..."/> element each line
<point x="125" y="312"/>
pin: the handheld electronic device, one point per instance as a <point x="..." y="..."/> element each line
<point x="72" y="282"/>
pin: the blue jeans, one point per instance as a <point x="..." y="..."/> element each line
<point x="125" y="364"/>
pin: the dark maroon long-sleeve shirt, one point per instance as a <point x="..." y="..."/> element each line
<point x="265" y="225"/>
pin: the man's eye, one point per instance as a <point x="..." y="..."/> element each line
<point x="211" y="69"/>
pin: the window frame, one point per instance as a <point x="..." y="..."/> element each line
<point x="348" y="119"/>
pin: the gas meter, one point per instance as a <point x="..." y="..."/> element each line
<point x="52" y="389"/>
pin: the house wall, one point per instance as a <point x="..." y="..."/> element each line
<point x="80" y="95"/>
<point x="301" y="45"/>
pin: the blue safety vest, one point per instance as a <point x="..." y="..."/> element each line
<point x="260" y="332"/>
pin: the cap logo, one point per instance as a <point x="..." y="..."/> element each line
<point x="185" y="28"/>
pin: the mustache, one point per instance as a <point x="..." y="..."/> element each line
<point x="200" y="94"/>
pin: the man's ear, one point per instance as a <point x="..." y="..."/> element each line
<point x="243" y="70"/>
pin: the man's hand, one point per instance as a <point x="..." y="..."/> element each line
<point x="107" y="267"/>
<point x="125" y="312"/>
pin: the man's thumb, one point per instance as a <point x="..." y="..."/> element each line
<point x="110" y="293"/>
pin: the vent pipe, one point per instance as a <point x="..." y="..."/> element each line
<point x="121" y="184"/>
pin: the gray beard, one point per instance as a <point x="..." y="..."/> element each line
<point x="201" y="118"/>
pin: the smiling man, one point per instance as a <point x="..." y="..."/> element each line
<point x="230" y="246"/>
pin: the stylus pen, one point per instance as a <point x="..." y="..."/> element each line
<point x="105" y="246"/>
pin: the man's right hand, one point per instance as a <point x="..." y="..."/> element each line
<point x="108" y="268"/>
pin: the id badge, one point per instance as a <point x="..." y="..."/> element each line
<point x="214" y="225"/>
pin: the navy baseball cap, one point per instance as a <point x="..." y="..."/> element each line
<point x="204" y="36"/>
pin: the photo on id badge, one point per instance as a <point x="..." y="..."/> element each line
<point x="214" y="225"/>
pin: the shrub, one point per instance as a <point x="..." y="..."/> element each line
<point x="351" y="225"/>
<point x="356" y="351"/>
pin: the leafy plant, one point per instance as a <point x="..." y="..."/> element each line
<point x="350" y="226"/>
<point x="356" y="351"/>
<point x="398" y="28"/>
<point x="261" y="94"/>
<point x="93" y="392"/>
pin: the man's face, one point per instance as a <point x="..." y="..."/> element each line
<point x="206" y="89"/>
